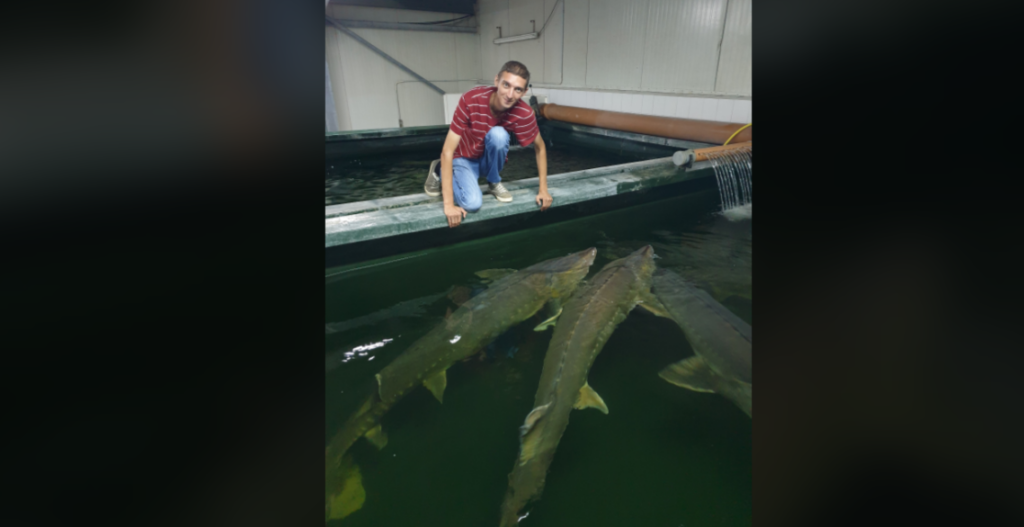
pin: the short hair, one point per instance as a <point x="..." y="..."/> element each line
<point x="516" y="68"/>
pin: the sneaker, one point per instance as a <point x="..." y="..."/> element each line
<point x="500" y="192"/>
<point x="433" y="185"/>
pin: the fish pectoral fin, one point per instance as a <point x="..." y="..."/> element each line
<point x="588" y="398"/>
<point x="529" y="434"/>
<point x="377" y="437"/>
<point x="549" y="322"/>
<point x="380" y="387"/>
<point x="493" y="275"/>
<point x="436" y="385"/>
<point x="692" y="373"/>
<point x="650" y="303"/>
<point x="350" y="497"/>
<point x="532" y="418"/>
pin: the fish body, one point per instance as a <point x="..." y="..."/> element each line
<point x="508" y="301"/>
<point x="587" y="321"/>
<point x="721" y="342"/>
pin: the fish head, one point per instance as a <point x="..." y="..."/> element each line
<point x="564" y="274"/>
<point x="642" y="262"/>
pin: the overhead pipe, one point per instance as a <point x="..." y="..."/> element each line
<point x="701" y="154"/>
<point x="689" y="157"/>
<point x="714" y="132"/>
<point x="372" y="24"/>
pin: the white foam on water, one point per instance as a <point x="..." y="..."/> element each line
<point x="743" y="212"/>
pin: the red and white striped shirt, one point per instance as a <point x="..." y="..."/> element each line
<point x="473" y="119"/>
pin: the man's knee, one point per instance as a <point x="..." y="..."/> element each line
<point x="473" y="203"/>
<point x="497" y="136"/>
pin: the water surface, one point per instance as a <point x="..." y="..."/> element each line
<point x="663" y="456"/>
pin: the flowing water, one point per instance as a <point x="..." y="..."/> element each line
<point x="663" y="456"/>
<point x="402" y="173"/>
<point x="733" y="172"/>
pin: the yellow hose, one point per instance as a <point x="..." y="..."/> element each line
<point x="737" y="132"/>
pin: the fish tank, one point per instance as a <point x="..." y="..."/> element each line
<point x="663" y="454"/>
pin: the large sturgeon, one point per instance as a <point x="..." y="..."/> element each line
<point x="587" y="321"/>
<point x="506" y="302"/>
<point x="721" y="342"/>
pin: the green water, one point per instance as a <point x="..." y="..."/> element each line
<point x="663" y="456"/>
<point x="403" y="173"/>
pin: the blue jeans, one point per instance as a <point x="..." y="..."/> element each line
<point x="466" y="172"/>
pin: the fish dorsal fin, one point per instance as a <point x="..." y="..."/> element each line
<point x="493" y="275"/>
<point x="436" y="384"/>
<point x="588" y="398"/>
<point x="377" y="437"/>
<point x="549" y="322"/>
<point x="528" y="434"/>
<point x="651" y="303"/>
<point x="532" y="418"/>
<point x="692" y="373"/>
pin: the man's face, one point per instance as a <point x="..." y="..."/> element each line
<point x="511" y="88"/>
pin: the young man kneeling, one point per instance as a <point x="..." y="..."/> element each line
<point x="478" y="141"/>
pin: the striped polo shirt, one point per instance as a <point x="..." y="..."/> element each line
<point x="473" y="119"/>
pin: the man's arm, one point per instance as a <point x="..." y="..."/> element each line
<point x="455" y="214"/>
<point x="543" y="198"/>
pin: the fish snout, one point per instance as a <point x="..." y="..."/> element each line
<point x="645" y="252"/>
<point x="589" y="255"/>
<point x="583" y="259"/>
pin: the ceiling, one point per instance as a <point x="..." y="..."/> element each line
<point x="464" y="7"/>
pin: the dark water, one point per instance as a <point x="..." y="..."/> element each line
<point x="663" y="456"/>
<point x="403" y="173"/>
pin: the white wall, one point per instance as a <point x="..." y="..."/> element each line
<point x="705" y="108"/>
<point x="677" y="58"/>
<point x="543" y="56"/>
<point x="369" y="91"/>
<point x="734" y="68"/>
<point x="330" y="113"/>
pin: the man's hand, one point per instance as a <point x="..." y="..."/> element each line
<point x="455" y="215"/>
<point x="544" y="199"/>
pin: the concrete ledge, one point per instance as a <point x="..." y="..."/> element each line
<point x="344" y="209"/>
<point x="375" y="219"/>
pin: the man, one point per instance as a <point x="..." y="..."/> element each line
<point x="477" y="145"/>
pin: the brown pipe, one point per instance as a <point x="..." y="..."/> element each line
<point x="714" y="132"/>
<point x="701" y="154"/>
